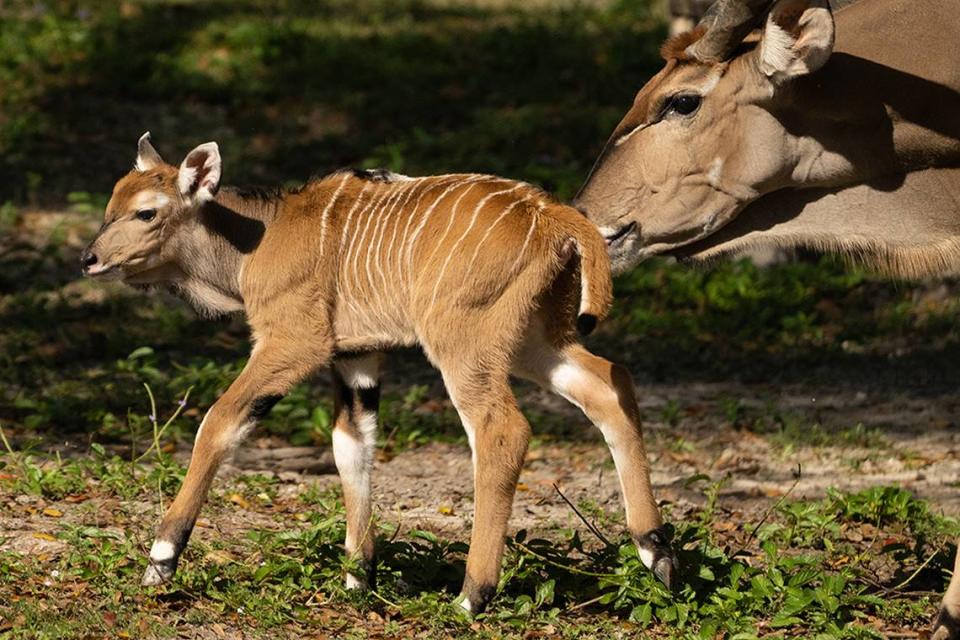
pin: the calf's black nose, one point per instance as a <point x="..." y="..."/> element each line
<point x="88" y="259"/>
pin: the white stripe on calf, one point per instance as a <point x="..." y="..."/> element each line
<point x="426" y="215"/>
<point x="327" y="209"/>
<point x="452" y="251"/>
<point x="476" y="252"/>
<point x="523" y="249"/>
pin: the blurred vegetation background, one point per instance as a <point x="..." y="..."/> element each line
<point x="292" y="88"/>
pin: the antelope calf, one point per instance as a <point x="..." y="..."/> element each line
<point x="486" y="274"/>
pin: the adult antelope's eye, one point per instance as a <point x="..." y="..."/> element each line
<point x="685" y="103"/>
<point x="146" y="214"/>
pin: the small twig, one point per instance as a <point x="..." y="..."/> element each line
<point x="379" y="597"/>
<point x="581" y="605"/>
<point x="565" y="567"/>
<point x="753" y="534"/>
<point x="158" y="431"/>
<point x="6" y="443"/>
<point x="919" y="569"/>
<point x="593" y="529"/>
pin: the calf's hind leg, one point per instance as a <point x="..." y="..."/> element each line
<point x="498" y="435"/>
<point x="604" y="392"/>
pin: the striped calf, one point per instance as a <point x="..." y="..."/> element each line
<point x="486" y="274"/>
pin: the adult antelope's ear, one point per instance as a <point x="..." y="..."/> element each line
<point x="797" y="38"/>
<point x="147" y="156"/>
<point x="199" y="176"/>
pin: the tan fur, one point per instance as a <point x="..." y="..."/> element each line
<point x="881" y="109"/>
<point x="481" y="271"/>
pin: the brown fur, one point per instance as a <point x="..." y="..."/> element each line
<point x="482" y="272"/>
<point x="675" y="47"/>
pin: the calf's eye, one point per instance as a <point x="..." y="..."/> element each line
<point x="146" y="214"/>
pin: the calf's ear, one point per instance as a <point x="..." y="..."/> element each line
<point x="199" y="175"/>
<point x="147" y="156"/>
<point x="797" y="39"/>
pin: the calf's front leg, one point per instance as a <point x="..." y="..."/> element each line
<point x="270" y="373"/>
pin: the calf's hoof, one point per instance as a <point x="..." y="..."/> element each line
<point x="656" y="554"/>
<point x="474" y="598"/>
<point x="946" y="626"/>
<point x="157" y="573"/>
<point x="362" y="578"/>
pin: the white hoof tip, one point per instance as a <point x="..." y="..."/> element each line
<point x="155" y="575"/>
<point x="353" y="583"/>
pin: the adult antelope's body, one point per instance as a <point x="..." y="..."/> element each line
<point x="480" y="271"/>
<point x="837" y="135"/>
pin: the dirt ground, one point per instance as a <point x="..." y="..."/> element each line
<point x="429" y="487"/>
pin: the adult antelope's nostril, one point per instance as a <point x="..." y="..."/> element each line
<point x="88" y="259"/>
<point x="621" y="233"/>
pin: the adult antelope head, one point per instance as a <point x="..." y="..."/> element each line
<point x="736" y="115"/>
<point x="792" y="138"/>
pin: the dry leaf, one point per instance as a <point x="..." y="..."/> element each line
<point x="53" y="513"/>
<point x="219" y="556"/>
<point x="239" y="500"/>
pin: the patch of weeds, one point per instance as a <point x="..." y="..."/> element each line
<point x="670" y="413"/>
<point x="413" y="419"/>
<point x="789" y="430"/>
<point x="9" y="216"/>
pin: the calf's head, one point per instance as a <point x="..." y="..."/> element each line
<point x="702" y="139"/>
<point x="148" y="208"/>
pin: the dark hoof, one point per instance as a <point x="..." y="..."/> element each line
<point x="945" y="626"/>
<point x="656" y="554"/>
<point x="474" y="598"/>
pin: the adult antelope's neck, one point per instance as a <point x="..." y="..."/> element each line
<point x="886" y="102"/>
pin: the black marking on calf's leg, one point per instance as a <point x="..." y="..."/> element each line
<point x="368" y="399"/>
<point x="262" y="406"/>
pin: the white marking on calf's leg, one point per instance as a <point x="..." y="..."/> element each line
<point x="361" y="372"/>
<point x="162" y="550"/>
